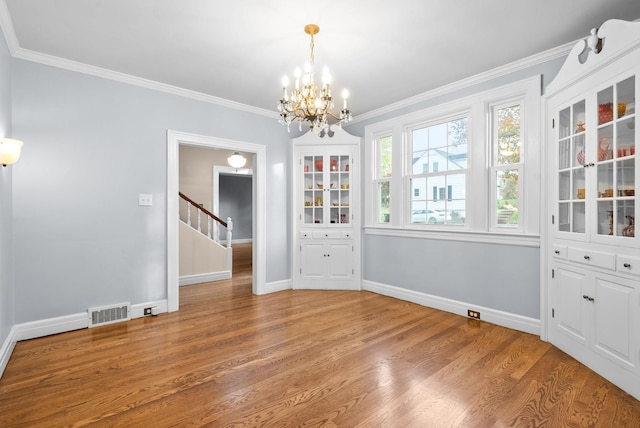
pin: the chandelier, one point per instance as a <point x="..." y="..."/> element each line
<point x="309" y="103"/>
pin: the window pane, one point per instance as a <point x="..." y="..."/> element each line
<point x="420" y="162"/>
<point x="438" y="136"/>
<point x="508" y="135"/>
<point x="384" y="159"/>
<point x="438" y="197"/>
<point x="418" y="189"/>
<point x="507" y="203"/>
<point x="383" y="202"/>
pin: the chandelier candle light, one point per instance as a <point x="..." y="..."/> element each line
<point x="310" y="104"/>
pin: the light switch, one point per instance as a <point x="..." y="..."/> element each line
<point x="145" y="200"/>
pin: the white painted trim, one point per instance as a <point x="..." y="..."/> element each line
<point x="7" y="349"/>
<point x="275" y="286"/>
<point x="174" y="139"/>
<point x="137" y="310"/>
<point x="204" y="277"/>
<point x="66" y="64"/>
<point x="504" y="70"/>
<point x="504" y="319"/>
<point x="6" y="25"/>
<point x="532" y="241"/>
<point x="48" y="326"/>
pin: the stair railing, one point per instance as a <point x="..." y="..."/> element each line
<point x="210" y="218"/>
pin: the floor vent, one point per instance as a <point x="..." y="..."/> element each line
<point x="109" y="314"/>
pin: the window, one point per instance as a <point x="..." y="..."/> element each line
<point x="383" y="173"/>
<point x="507" y="165"/>
<point x="459" y="168"/>
<point x="444" y="146"/>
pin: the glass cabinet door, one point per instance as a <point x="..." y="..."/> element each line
<point x="571" y="171"/>
<point x="596" y="163"/>
<point x="326" y="187"/>
<point x="615" y="160"/>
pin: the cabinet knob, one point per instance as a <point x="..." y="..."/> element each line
<point x="591" y="299"/>
<point x="627" y="265"/>
<point x="557" y="252"/>
<point x="586" y="165"/>
<point x="587" y="258"/>
<point x="585" y="297"/>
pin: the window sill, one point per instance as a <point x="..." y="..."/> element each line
<point x="518" y="240"/>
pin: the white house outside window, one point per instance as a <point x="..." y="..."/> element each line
<point x="438" y="194"/>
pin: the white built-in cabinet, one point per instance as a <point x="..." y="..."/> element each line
<point x="326" y="232"/>
<point x="593" y="251"/>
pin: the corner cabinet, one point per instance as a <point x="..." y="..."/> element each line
<point x="326" y="212"/>
<point x="593" y="252"/>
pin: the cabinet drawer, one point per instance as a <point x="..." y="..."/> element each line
<point x="559" y="251"/>
<point x="628" y="264"/>
<point x="592" y="258"/>
<point x="331" y="234"/>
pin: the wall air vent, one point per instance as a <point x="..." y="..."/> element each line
<point x="109" y="314"/>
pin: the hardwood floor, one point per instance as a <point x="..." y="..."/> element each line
<point x="303" y="358"/>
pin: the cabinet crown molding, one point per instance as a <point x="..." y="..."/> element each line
<point x="617" y="38"/>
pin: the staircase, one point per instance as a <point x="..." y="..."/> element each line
<point x="203" y="258"/>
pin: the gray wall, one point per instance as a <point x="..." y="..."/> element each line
<point x="91" y="146"/>
<point x="7" y="314"/>
<point x="501" y="277"/>
<point x="235" y="201"/>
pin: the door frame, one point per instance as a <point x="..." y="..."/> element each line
<point x="174" y="140"/>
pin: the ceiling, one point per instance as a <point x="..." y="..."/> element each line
<point x="382" y="51"/>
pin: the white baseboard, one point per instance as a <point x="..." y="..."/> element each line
<point x="272" y="287"/>
<point x="161" y="306"/>
<point x="505" y="319"/>
<point x="6" y="349"/>
<point x="204" y="277"/>
<point x="49" y="326"/>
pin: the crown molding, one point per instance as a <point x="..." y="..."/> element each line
<point x="16" y="51"/>
<point x="6" y="25"/>
<point x="512" y="67"/>
<point x="104" y="73"/>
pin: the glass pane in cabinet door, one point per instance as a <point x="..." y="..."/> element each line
<point x="564" y="122"/>
<point x="564" y="154"/>
<point x="564" y="186"/>
<point x="626" y="97"/>
<point x="605" y="180"/>
<point x="579" y="191"/>
<point x="626" y="218"/>
<point x="578" y="151"/>
<point x="563" y="217"/>
<point x="605" y="145"/>
<point x="578" y="220"/>
<point x="579" y="124"/>
<point x="625" y="137"/>
<point x="605" y="106"/>
<point x="605" y="217"/>
<point x="625" y="178"/>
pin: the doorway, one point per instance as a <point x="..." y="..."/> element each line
<point x="258" y="151"/>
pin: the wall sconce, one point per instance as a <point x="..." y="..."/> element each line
<point x="236" y="160"/>
<point x="9" y="150"/>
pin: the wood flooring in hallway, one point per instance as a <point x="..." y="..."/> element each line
<point x="302" y="359"/>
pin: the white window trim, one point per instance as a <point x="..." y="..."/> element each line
<point x="478" y="222"/>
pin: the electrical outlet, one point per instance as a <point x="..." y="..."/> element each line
<point x="473" y="314"/>
<point x="147" y="311"/>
